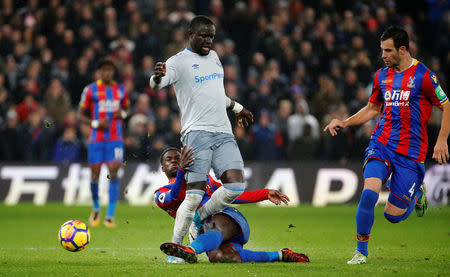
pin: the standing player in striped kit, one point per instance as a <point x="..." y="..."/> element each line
<point x="407" y="90"/>
<point x="107" y="103"/>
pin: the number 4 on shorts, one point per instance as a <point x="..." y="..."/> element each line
<point x="411" y="190"/>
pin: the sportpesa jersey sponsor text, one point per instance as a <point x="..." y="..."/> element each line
<point x="213" y="76"/>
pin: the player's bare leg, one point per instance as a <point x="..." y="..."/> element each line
<point x="226" y="253"/>
<point x="94" y="218"/>
<point x="393" y="210"/>
<point x="233" y="186"/>
<point x="396" y="214"/>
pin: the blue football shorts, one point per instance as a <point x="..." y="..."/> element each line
<point x="406" y="174"/>
<point x="105" y="152"/>
<point x="241" y="221"/>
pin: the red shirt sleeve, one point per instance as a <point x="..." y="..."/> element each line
<point x="376" y="97"/>
<point x="432" y="89"/>
<point x="86" y="98"/>
<point x="252" y="196"/>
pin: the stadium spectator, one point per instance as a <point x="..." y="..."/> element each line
<point x="281" y="120"/>
<point x="10" y="143"/>
<point x="25" y="107"/>
<point x="270" y="50"/>
<point x="267" y="138"/>
<point x="67" y="148"/>
<point x="245" y="145"/>
<point x="35" y="139"/>
<point x="172" y="136"/>
<point x="57" y="101"/>
<point x="297" y="122"/>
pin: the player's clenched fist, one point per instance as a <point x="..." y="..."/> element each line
<point x="160" y="71"/>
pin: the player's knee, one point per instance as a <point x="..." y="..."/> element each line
<point x="192" y="200"/>
<point x="95" y="176"/>
<point x="196" y="185"/>
<point x="95" y="172"/>
<point x="232" y="176"/>
<point x="394" y="218"/>
<point x="233" y="190"/>
<point x="113" y="174"/>
<point x="231" y="195"/>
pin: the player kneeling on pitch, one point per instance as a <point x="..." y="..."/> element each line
<point x="225" y="232"/>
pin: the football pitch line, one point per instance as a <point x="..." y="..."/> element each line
<point x="146" y="248"/>
<point x="92" y="248"/>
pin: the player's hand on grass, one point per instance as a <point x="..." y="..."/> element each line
<point x="277" y="197"/>
<point x="440" y="152"/>
<point x="160" y="71"/>
<point x="186" y="159"/>
<point x="334" y="126"/>
<point x="244" y="117"/>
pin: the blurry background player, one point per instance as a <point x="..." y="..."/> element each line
<point x="227" y="231"/>
<point x="197" y="76"/>
<point x="107" y="103"/>
<point x="407" y="90"/>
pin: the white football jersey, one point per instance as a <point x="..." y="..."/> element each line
<point x="200" y="92"/>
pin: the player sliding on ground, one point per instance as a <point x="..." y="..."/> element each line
<point x="407" y="91"/>
<point x="197" y="77"/>
<point x="227" y="231"/>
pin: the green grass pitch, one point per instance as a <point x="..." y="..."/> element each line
<point x="417" y="247"/>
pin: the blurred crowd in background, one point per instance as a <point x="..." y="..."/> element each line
<point x="294" y="63"/>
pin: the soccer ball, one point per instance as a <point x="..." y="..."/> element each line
<point x="74" y="235"/>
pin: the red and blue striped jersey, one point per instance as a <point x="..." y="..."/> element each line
<point x="408" y="98"/>
<point x="103" y="101"/>
<point x="170" y="196"/>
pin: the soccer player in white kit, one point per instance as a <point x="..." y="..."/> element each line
<point x="197" y="76"/>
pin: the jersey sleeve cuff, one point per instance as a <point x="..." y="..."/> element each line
<point x="153" y="84"/>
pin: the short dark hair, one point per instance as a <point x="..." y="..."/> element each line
<point x="105" y="62"/>
<point x="167" y="150"/>
<point x="199" y="20"/>
<point x="398" y="35"/>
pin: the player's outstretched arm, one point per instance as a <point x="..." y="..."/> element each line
<point x="254" y="196"/>
<point x="186" y="160"/>
<point x="440" y="152"/>
<point x="370" y="111"/>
